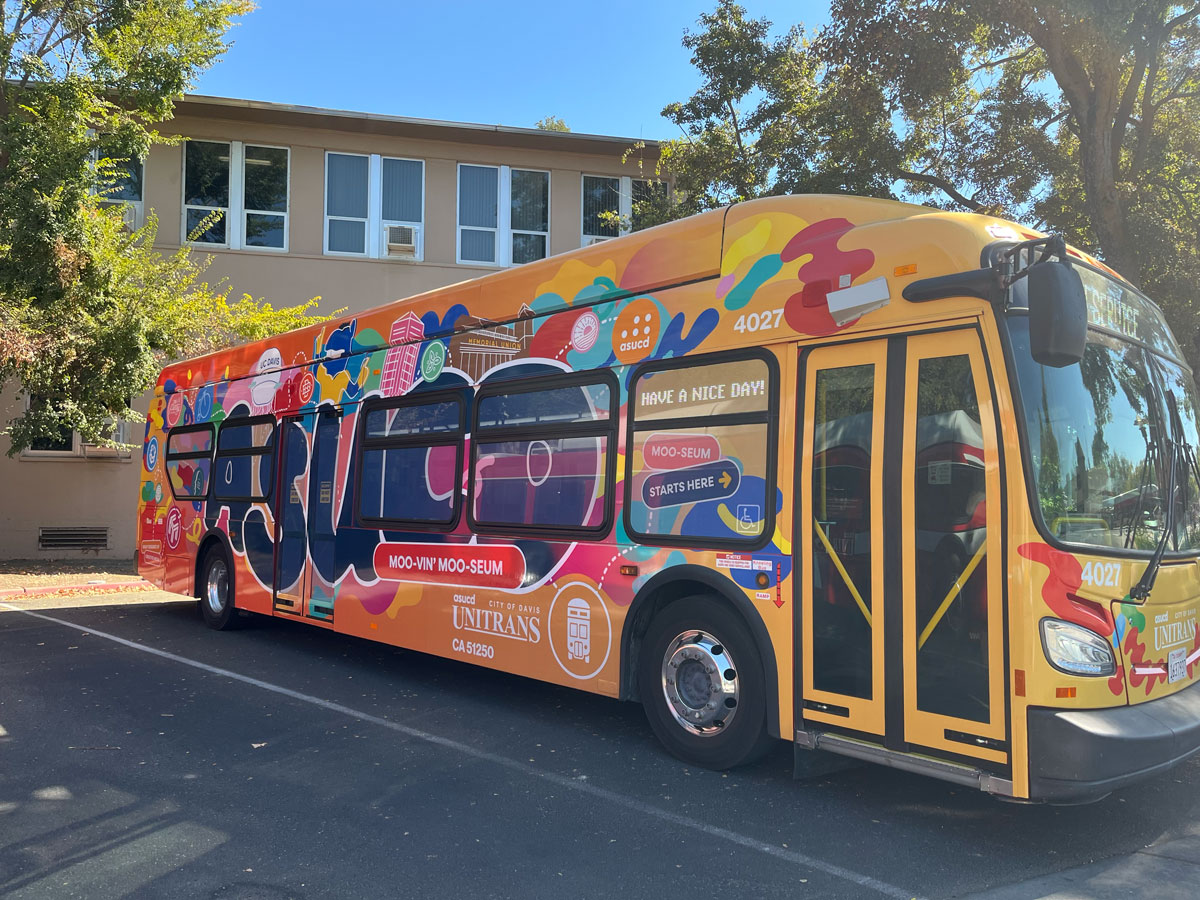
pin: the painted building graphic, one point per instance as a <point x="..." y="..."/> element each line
<point x="478" y="351"/>
<point x="400" y="364"/>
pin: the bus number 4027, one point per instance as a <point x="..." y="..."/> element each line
<point x="759" y="321"/>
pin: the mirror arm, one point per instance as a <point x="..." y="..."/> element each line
<point x="986" y="284"/>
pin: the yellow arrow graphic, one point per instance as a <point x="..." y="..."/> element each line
<point x="725" y="479"/>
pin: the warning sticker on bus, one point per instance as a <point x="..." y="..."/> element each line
<point x="742" y="561"/>
<point x="485" y="565"/>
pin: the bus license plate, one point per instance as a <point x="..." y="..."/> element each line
<point x="1176" y="665"/>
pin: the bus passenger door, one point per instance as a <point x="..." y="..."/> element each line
<point x="950" y="529"/>
<point x="291" y="541"/>
<point x="840" y="526"/>
<point x="305" y="536"/>
<point x="899" y="547"/>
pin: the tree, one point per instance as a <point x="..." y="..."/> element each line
<point x="89" y="312"/>
<point x="1080" y="116"/>
<point x="551" y="123"/>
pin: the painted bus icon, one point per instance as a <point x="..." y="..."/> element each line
<point x="579" y="630"/>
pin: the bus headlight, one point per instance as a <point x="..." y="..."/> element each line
<point x="1076" y="650"/>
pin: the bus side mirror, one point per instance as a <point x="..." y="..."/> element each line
<point x="1057" y="314"/>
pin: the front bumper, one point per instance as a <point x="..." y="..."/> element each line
<point x="1079" y="755"/>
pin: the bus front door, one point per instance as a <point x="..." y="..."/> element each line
<point x="305" y="535"/>
<point x="899" y="548"/>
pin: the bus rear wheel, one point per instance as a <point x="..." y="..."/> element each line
<point x="702" y="685"/>
<point x="216" y="591"/>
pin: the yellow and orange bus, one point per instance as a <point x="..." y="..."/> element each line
<point x="908" y="486"/>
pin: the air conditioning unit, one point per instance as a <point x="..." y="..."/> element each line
<point x="401" y="240"/>
<point x="132" y="216"/>
<point x="595" y="240"/>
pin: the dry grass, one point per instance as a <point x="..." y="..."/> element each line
<point x="30" y="573"/>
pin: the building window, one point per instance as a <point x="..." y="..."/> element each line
<point x="374" y="206"/>
<point x="503" y="215"/>
<point x="600" y="196"/>
<point x="63" y="441"/>
<point x="205" y="191"/>
<point x="644" y="191"/>
<point x="69" y="443"/>
<point x="608" y="205"/>
<point x="266" y="197"/>
<point x="121" y="185"/>
<point x="248" y="185"/>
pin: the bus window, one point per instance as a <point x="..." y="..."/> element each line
<point x="541" y="455"/>
<point x="700" y="464"/>
<point x="951" y="536"/>
<point x="411" y="460"/>
<point x="245" y="464"/>
<point x="189" y="461"/>
<point x="843" y="435"/>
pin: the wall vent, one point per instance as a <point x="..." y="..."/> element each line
<point x="73" y="537"/>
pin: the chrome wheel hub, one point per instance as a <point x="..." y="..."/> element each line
<point x="700" y="683"/>
<point x="216" y="590"/>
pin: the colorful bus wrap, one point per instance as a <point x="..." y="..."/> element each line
<point x="783" y="470"/>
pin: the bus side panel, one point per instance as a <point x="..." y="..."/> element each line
<point x="546" y="608"/>
<point x="536" y="604"/>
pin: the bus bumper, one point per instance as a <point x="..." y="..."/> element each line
<point x="1081" y="755"/>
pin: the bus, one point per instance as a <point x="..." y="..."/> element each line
<point x="904" y="485"/>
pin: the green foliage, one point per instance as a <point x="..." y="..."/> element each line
<point x="1078" y="116"/>
<point x="551" y="123"/>
<point x="88" y="311"/>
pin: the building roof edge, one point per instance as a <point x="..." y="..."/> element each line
<point x="350" y="120"/>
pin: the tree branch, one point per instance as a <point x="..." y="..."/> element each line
<point x="1057" y="117"/>
<point x="41" y="51"/>
<point x="991" y="64"/>
<point x="1146" y="127"/>
<point x="1186" y="95"/>
<point x="1125" y="107"/>
<point x="1173" y="92"/>
<point x="941" y="184"/>
<point x="1182" y="19"/>
<point x="58" y="17"/>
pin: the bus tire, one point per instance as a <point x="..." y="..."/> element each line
<point x="216" y="590"/>
<point x="702" y="685"/>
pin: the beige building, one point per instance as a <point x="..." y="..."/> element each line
<point x="357" y="208"/>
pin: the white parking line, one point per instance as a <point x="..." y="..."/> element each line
<point x="573" y="784"/>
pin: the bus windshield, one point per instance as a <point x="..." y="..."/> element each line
<point x="1100" y="443"/>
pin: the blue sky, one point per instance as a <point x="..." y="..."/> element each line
<point x="606" y="68"/>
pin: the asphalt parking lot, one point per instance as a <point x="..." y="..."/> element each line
<point x="144" y="755"/>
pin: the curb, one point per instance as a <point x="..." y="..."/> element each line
<point x="140" y="585"/>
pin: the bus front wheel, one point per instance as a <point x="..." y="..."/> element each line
<point x="701" y="683"/>
<point x="216" y="591"/>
